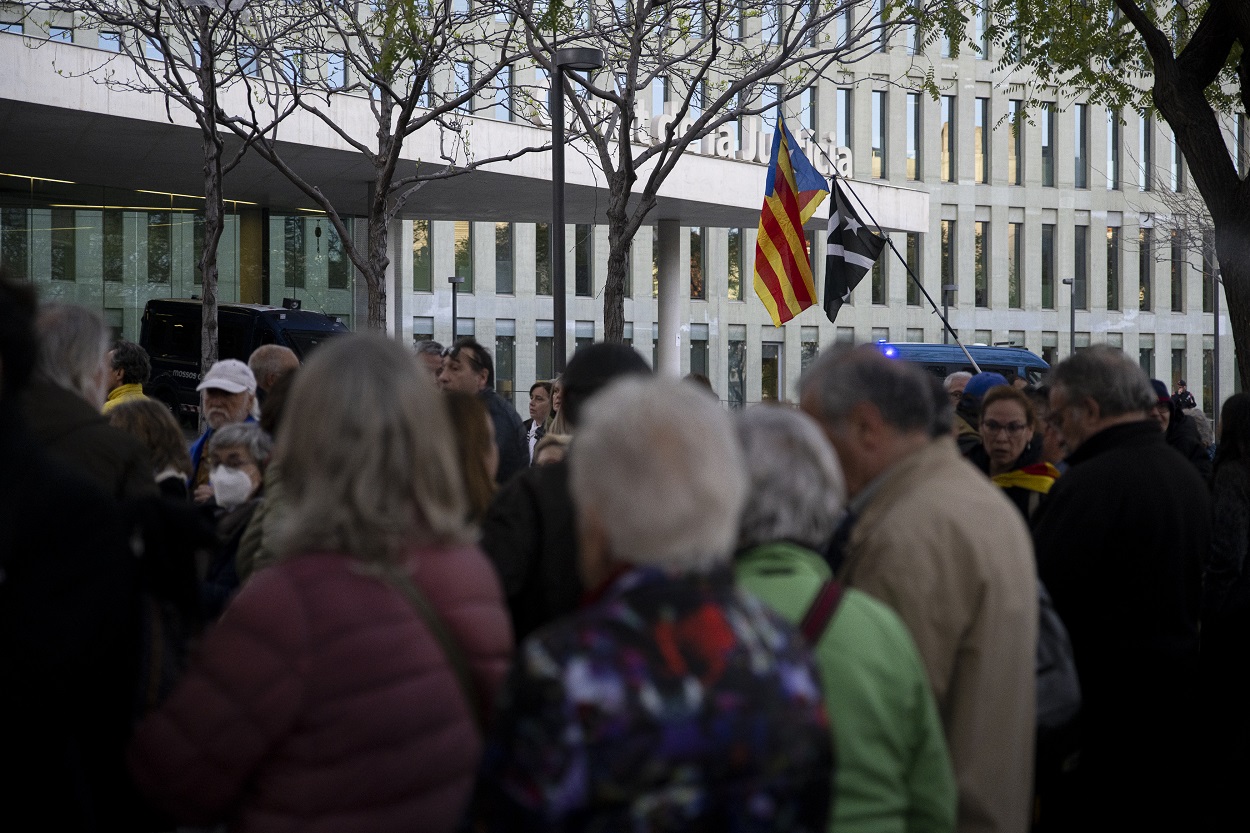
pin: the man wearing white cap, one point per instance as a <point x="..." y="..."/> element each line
<point x="227" y="395"/>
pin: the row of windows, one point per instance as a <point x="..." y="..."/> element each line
<point x="117" y="244"/>
<point x="1180" y="250"/>
<point x="772" y="353"/>
<point x="1178" y="256"/>
<point x="1048" y="119"/>
<point x="331" y="68"/>
<point x="582" y="249"/>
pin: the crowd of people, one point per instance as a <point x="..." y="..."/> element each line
<point x="366" y="595"/>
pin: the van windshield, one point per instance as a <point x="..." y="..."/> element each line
<point x="304" y="342"/>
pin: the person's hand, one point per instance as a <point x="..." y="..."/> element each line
<point x="203" y="494"/>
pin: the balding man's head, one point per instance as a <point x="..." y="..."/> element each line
<point x="269" y="361"/>
<point x="875" y="411"/>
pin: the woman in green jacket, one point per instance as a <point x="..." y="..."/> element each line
<point x="894" y="773"/>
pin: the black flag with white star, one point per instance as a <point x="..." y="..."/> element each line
<point x="852" y="251"/>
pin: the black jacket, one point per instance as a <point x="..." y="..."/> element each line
<point x="513" y="450"/>
<point x="68" y="631"/>
<point x="530" y="536"/>
<point x="74" y="433"/>
<point x="1120" y="541"/>
<point x="1182" y="434"/>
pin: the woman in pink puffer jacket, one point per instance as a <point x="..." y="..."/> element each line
<point x="324" y="700"/>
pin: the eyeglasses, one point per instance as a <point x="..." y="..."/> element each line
<point x="955" y="395"/>
<point x="991" y="426"/>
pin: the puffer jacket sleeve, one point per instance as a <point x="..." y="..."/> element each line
<point x="239" y="697"/>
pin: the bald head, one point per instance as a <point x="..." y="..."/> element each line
<point x="269" y="361"/>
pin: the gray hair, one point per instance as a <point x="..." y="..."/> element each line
<point x="247" y="435"/>
<point x="73" y="342"/>
<point x="842" y="379"/>
<point x="1107" y="376"/>
<point x="429" y="346"/>
<point x="795" y="481"/>
<point x="270" y="359"/>
<point x="377" y="469"/>
<point x="943" y="408"/>
<point x="657" y="461"/>
<point x="957" y="376"/>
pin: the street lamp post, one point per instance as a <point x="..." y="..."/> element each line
<point x="576" y="59"/>
<point x="1071" y="284"/>
<point x="1215" y="357"/>
<point x="947" y="289"/>
<point x="455" y="281"/>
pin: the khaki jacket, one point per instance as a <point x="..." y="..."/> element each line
<point x="942" y="546"/>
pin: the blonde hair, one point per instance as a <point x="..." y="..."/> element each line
<point x="150" y="422"/>
<point x="470" y="422"/>
<point x="560" y="441"/>
<point x="368" y="455"/>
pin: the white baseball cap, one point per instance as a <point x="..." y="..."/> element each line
<point x="230" y="375"/>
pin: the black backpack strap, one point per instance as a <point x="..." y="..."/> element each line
<point x="456" y="657"/>
<point x="821" y="611"/>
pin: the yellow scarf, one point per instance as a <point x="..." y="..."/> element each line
<point x="1036" y="478"/>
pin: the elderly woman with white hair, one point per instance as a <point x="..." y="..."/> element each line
<point x="671" y="700"/>
<point x="345" y="686"/>
<point x="893" y="773"/>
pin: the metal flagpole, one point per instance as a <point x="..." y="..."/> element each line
<point x="902" y="260"/>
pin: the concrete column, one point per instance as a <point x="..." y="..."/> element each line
<point x="399" y="282"/>
<point x="668" y="315"/>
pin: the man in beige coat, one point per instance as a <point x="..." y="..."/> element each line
<point x="931" y="537"/>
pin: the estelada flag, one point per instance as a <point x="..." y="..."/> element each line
<point x="783" y="270"/>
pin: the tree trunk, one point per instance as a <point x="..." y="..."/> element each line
<point x="1182" y="101"/>
<point x="1232" y="246"/>
<point x="214" y="207"/>
<point x="621" y="232"/>
<point x="375" y="275"/>
<point x="214" y="219"/>
<point x="614" y="289"/>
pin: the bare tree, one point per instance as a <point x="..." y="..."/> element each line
<point x="422" y="65"/>
<point x="716" y="62"/>
<point x="189" y="52"/>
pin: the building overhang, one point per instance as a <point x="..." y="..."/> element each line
<point x="58" y="121"/>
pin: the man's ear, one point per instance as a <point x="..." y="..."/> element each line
<point x="1091" y="407"/>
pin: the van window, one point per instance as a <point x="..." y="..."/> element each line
<point x="169" y="337"/>
<point x="304" y="342"/>
<point x="233" y="336"/>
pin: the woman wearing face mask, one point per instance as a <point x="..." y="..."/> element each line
<point x="1008" y="454"/>
<point x="237" y="455"/>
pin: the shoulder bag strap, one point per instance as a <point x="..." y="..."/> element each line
<point x="455" y="656"/>
<point x="821" y="611"/>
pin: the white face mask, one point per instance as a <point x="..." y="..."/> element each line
<point x="230" y="486"/>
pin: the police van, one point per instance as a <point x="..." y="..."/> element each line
<point x="944" y="359"/>
<point x="170" y="332"/>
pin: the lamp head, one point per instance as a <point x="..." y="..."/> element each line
<point x="579" y="58"/>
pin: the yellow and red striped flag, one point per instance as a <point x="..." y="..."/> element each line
<point x="783" y="270"/>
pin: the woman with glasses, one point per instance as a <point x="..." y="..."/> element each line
<point x="1008" y="452"/>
